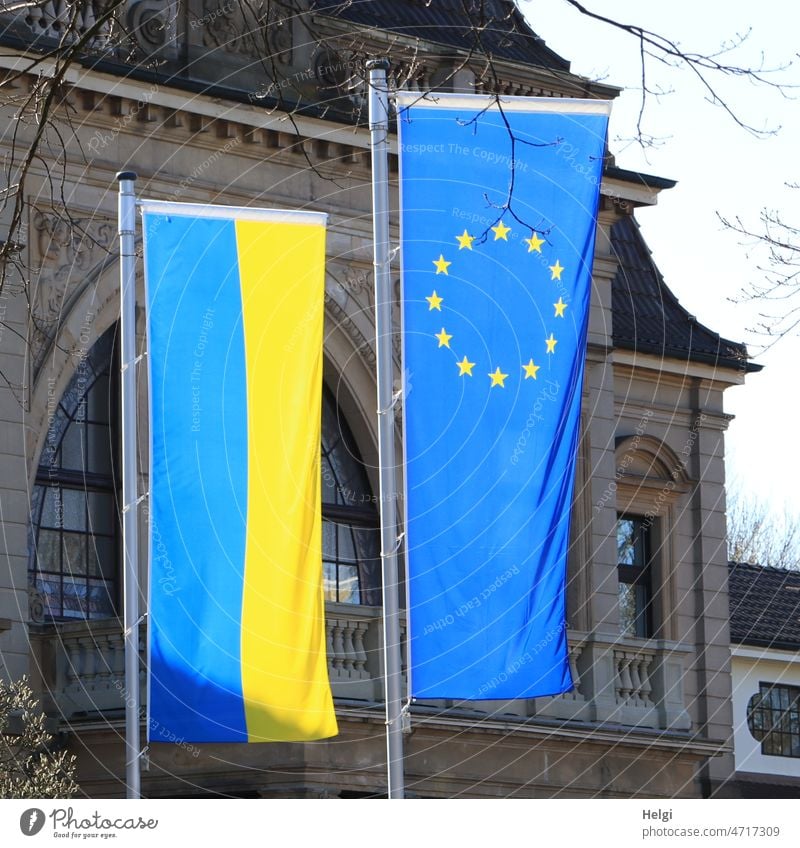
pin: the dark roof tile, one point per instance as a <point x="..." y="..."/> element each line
<point x="452" y="23"/>
<point x="764" y="606"/>
<point x="647" y="316"/>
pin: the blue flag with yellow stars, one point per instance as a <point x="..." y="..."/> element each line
<point x="498" y="216"/>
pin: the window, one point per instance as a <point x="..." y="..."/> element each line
<point x="350" y="520"/>
<point x="75" y="528"/>
<point x="634" y="573"/>
<point x="74" y="509"/>
<point x="773" y="716"/>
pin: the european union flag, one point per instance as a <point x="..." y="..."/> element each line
<point x="498" y="206"/>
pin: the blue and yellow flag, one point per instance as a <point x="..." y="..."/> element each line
<point x="237" y="623"/>
<point x="498" y="214"/>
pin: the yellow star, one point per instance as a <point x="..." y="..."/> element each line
<point x="441" y="265"/>
<point x="560" y="307"/>
<point x="556" y="270"/>
<point x="435" y="302"/>
<point x="444" y="338"/>
<point x="531" y="369"/>
<point x="551" y="344"/>
<point x="465" y="240"/>
<point x="498" y="378"/>
<point x="465" y="367"/>
<point x="501" y="231"/>
<point x="534" y="243"/>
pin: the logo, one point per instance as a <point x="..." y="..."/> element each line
<point x="31" y="821"/>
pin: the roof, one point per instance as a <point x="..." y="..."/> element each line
<point x="648" y="318"/>
<point x="764" y="606"/>
<point x="507" y="34"/>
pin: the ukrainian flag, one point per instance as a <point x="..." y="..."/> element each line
<point x="237" y="627"/>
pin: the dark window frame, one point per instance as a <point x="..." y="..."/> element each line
<point x="54" y="480"/>
<point x="767" y="722"/>
<point x="354" y="512"/>
<point x="638" y="575"/>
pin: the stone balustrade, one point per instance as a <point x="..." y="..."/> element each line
<point x="631" y="682"/>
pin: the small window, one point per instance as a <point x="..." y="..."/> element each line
<point x="634" y="574"/>
<point x="773" y="717"/>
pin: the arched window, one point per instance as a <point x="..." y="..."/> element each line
<point x="74" y="507"/>
<point x="75" y="527"/>
<point x="350" y="535"/>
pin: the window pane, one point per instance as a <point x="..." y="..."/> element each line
<point x="347" y="548"/>
<point x="99" y="459"/>
<point x="329" y="580"/>
<point x="348" y="584"/>
<point x="101" y="512"/>
<point x="74" y="506"/>
<point x="74" y="550"/>
<point x="52" y="508"/>
<point x="98" y="601"/>
<point x="633" y="610"/>
<point x="630" y="542"/>
<point x="51" y="590"/>
<point x="102" y="559"/>
<point x="328" y="482"/>
<point x="97" y="402"/>
<point x="72" y="448"/>
<point x="368" y="552"/>
<point x="627" y="609"/>
<point x="328" y="540"/>
<point x="74" y="598"/>
<point x="48" y="550"/>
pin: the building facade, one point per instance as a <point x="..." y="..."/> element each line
<point x="210" y="103"/>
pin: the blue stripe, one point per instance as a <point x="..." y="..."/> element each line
<point x="198" y="438"/>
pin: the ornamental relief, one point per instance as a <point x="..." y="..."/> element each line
<point x="64" y="249"/>
<point x="247" y="31"/>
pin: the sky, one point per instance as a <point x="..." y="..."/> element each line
<point x="720" y="168"/>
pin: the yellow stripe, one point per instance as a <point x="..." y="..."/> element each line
<point x="284" y="669"/>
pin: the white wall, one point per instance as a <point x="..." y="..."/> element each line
<point x="749" y="667"/>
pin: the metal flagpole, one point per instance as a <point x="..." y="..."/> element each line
<point x="127" y="256"/>
<point x="379" y="132"/>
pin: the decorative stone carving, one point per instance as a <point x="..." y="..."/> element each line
<point x="347" y="324"/>
<point x="35" y="605"/>
<point x="250" y="31"/>
<point x="149" y="24"/>
<point x="332" y="71"/>
<point x="65" y="248"/>
<point x="359" y="281"/>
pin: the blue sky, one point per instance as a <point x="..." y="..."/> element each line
<point x="720" y="168"/>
